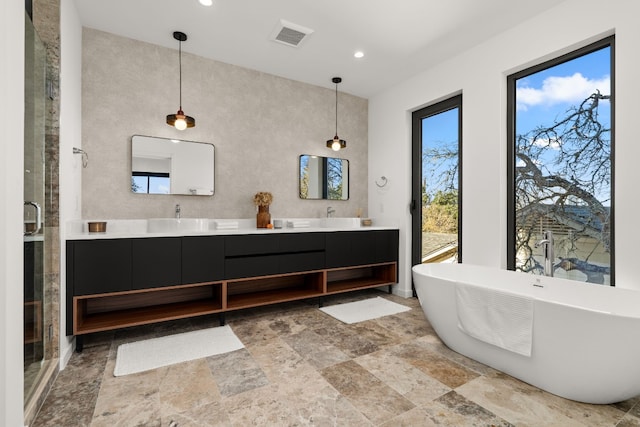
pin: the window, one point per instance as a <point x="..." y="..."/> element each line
<point x="437" y="193"/>
<point x="560" y="171"/>
<point x="150" y="182"/>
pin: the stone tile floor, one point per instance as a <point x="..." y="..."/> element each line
<point x="302" y="367"/>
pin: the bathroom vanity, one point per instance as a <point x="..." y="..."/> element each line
<point x="126" y="279"/>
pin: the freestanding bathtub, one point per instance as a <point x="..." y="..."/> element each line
<point x="585" y="338"/>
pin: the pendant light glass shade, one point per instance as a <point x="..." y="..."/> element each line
<point x="336" y="143"/>
<point x="180" y="120"/>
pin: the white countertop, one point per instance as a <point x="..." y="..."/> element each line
<point x="139" y="228"/>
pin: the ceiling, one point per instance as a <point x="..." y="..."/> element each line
<point x="399" y="38"/>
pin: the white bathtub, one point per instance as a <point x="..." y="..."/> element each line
<point x="585" y="342"/>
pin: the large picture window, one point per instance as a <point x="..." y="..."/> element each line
<point x="561" y="139"/>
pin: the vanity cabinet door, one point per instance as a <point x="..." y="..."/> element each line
<point x="348" y="248"/>
<point x="387" y="245"/>
<point x="100" y="266"/>
<point x="202" y="259"/>
<point x="157" y="262"/>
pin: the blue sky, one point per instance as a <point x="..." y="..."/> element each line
<point x="546" y="95"/>
<point x="540" y="98"/>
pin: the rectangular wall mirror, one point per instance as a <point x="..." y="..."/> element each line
<point x="323" y="178"/>
<point x="171" y="166"/>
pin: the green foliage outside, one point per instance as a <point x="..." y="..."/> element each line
<point x="440" y="215"/>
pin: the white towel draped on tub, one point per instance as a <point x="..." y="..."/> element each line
<point x="499" y="318"/>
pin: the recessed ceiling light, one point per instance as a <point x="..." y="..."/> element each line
<point x="206" y="2"/>
<point x="358" y="54"/>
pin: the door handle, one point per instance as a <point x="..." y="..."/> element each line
<point x="38" y="218"/>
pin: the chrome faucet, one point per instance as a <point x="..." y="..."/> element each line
<point x="177" y="211"/>
<point x="549" y="256"/>
<point x="330" y="211"/>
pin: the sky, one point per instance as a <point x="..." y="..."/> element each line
<point x="546" y="95"/>
<point x="540" y="99"/>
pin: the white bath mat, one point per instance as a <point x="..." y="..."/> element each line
<point x="359" y="311"/>
<point x="157" y="352"/>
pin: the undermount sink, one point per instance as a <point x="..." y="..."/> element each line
<point x="163" y="225"/>
<point x="340" y="222"/>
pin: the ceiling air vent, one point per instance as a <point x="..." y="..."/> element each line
<point x="290" y="34"/>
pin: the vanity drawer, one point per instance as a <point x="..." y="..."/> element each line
<point x="241" y="267"/>
<point x="273" y="244"/>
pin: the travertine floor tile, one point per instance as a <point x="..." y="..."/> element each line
<point x="62" y="406"/>
<point x="446" y="371"/>
<point x="525" y="405"/>
<point x="236" y="372"/>
<point x="301" y="367"/>
<point x="412" y="383"/>
<point x="128" y="400"/>
<point x="186" y="386"/>
<point x="377" y="401"/>
<point x="208" y="415"/>
<point x="313" y="348"/>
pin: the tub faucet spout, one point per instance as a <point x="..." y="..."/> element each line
<point x="549" y="256"/>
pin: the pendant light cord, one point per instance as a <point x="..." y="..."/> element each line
<point x="336" y="109"/>
<point x="180" y="72"/>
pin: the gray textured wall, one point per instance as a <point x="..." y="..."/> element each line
<point x="259" y="124"/>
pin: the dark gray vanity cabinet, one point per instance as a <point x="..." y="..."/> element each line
<point x="115" y="283"/>
<point x="202" y="259"/>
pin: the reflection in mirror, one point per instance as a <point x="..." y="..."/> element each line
<point x="324" y="178"/>
<point x="171" y="166"/>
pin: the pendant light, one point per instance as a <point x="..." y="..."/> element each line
<point x="179" y="120"/>
<point x="336" y="143"/>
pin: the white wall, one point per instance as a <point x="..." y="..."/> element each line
<point x="70" y="136"/>
<point x="480" y="74"/>
<point x="12" y="18"/>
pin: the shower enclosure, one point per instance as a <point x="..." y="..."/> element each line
<point x="36" y="304"/>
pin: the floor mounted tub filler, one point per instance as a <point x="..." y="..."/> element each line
<point x="577" y="340"/>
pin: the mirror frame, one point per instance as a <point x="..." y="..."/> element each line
<point x="169" y="142"/>
<point x="325" y="178"/>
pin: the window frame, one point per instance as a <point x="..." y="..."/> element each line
<point x="511" y="141"/>
<point x="416" y="171"/>
<point x="150" y="175"/>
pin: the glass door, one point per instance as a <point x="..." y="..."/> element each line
<point x="34" y="202"/>
<point x="437" y="196"/>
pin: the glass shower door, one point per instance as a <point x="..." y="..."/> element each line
<point x="34" y="202"/>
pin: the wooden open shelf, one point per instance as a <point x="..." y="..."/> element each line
<point x="362" y="277"/>
<point x="103" y="312"/>
<point x="273" y="289"/>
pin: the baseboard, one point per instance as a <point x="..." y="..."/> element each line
<point x="66" y="352"/>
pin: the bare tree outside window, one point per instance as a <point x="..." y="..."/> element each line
<point x="561" y="170"/>
<point x="563" y="182"/>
